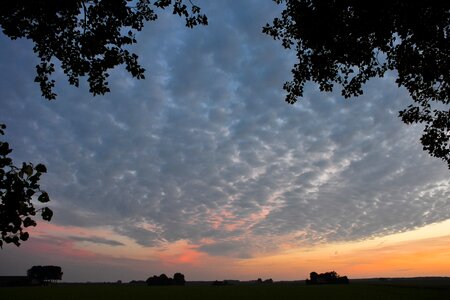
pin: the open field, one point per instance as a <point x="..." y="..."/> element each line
<point x="357" y="290"/>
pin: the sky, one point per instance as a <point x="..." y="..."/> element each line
<point x="202" y="168"/>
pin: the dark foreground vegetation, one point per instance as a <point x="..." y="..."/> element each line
<point x="327" y="278"/>
<point x="359" y="289"/>
<point x="163" y="279"/>
<point x="36" y="275"/>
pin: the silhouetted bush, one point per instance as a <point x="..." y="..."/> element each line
<point x="327" y="278"/>
<point x="178" y="279"/>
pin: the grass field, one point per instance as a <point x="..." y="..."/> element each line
<point x="276" y="291"/>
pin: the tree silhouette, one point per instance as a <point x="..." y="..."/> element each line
<point x="347" y="42"/>
<point x="163" y="279"/>
<point x="44" y="274"/>
<point x="18" y="186"/>
<point x="87" y="37"/>
<point x="327" y="278"/>
<point x="313" y="277"/>
<point x="338" y="42"/>
<point x="178" y="279"/>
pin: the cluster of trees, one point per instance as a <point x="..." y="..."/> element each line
<point x="178" y="279"/>
<point x="44" y="274"/>
<point x="267" y="281"/>
<point x="338" y="43"/>
<point x="326" y="278"/>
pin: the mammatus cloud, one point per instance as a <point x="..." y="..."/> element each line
<point x="205" y="150"/>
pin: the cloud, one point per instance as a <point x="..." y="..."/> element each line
<point x="206" y="149"/>
<point x="237" y="249"/>
<point x="96" y="240"/>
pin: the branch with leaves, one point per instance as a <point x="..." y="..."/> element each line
<point x="346" y="43"/>
<point x="88" y="38"/>
<point x="18" y="187"/>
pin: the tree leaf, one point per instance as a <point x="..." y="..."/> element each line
<point x="24" y="236"/>
<point x="41" y="168"/>
<point x="28" y="222"/>
<point x="27" y="169"/>
<point x="43" y="197"/>
<point x="47" y="214"/>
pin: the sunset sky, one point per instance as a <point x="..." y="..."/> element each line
<point x="203" y="169"/>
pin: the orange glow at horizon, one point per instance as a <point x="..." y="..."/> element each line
<point x="421" y="252"/>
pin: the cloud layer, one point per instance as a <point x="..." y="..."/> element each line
<point x="205" y="150"/>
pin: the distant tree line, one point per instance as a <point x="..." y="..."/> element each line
<point x="226" y="282"/>
<point x="178" y="279"/>
<point x="238" y="282"/>
<point x="137" y="282"/>
<point x="327" y="278"/>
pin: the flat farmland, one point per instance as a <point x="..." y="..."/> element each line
<point x="365" y="291"/>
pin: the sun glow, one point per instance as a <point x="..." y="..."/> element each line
<point x="420" y="252"/>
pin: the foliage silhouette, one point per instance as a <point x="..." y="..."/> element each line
<point x="341" y="42"/>
<point x="326" y="278"/>
<point x="178" y="279"/>
<point x="348" y="42"/>
<point x="337" y="42"/>
<point x="87" y="37"/>
<point x="44" y="274"/>
<point x="18" y="186"/>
